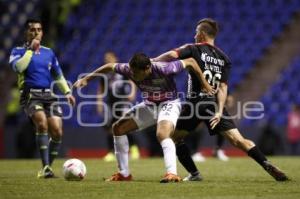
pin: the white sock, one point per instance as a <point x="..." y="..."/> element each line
<point x="121" y="151"/>
<point x="169" y="151"/>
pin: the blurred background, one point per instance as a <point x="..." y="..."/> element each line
<point x="262" y="38"/>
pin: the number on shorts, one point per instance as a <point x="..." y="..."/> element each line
<point x="167" y="107"/>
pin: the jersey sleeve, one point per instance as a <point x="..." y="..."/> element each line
<point x="123" y="69"/>
<point x="15" y="55"/>
<point x="184" y="51"/>
<point x="172" y="68"/>
<point x="55" y="69"/>
<point x="57" y="74"/>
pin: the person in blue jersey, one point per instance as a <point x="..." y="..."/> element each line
<point x="38" y="68"/>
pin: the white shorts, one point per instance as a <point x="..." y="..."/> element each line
<point x="146" y="115"/>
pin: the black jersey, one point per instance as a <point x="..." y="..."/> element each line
<point x="214" y="64"/>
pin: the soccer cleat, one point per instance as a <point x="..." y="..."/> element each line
<point x="191" y="177"/>
<point x="169" y="177"/>
<point x="45" y="172"/>
<point x="110" y="157"/>
<point x="119" y="177"/>
<point x="275" y="172"/>
<point x="198" y="157"/>
<point x="221" y="155"/>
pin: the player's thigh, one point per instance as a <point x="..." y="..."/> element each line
<point x="234" y="137"/>
<point x="124" y="126"/>
<point x="39" y="119"/>
<point x="143" y="115"/>
<point x="55" y="126"/>
<point x="31" y="103"/>
<point x="170" y="112"/>
<point x="238" y="140"/>
<point x="52" y="107"/>
<point x="35" y="110"/>
<point x="232" y="134"/>
<point x="226" y="123"/>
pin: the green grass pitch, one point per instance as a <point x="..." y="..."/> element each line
<point x="237" y="178"/>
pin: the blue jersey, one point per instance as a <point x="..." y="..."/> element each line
<point x="41" y="70"/>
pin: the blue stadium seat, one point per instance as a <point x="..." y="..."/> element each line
<point x="156" y="26"/>
<point x="280" y="97"/>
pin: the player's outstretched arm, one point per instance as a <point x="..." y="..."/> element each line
<point x="166" y="57"/>
<point x="101" y="70"/>
<point x="191" y="64"/>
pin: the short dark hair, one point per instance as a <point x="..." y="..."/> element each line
<point x="209" y="26"/>
<point x="139" y="61"/>
<point x="31" y="20"/>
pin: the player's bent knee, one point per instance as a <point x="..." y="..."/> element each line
<point x="56" y="133"/>
<point x="123" y="127"/>
<point x="119" y="128"/>
<point x="161" y="136"/>
<point x="236" y="141"/>
<point x="248" y="144"/>
<point x="41" y="126"/>
<point x="243" y="144"/>
<point x="116" y="129"/>
<point x="165" y="130"/>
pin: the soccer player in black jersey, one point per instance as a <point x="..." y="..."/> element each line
<point x="210" y="109"/>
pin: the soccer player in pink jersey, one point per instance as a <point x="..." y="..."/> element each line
<point x="160" y="106"/>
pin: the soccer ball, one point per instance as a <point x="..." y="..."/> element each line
<point x="74" y="170"/>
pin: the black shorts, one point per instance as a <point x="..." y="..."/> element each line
<point x="33" y="100"/>
<point x="202" y="110"/>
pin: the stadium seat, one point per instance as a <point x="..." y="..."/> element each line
<point x="282" y="95"/>
<point x="126" y="27"/>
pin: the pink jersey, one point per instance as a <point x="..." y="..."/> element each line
<point x="160" y="85"/>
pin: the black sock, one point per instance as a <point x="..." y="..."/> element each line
<point x="257" y="155"/>
<point x="220" y="141"/>
<point x="53" y="149"/>
<point x="184" y="157"/>
<point x="42" y="142"/>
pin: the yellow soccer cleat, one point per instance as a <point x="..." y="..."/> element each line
<point x="45" y="172"/>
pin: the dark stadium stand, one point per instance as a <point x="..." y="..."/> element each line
<point x="13" y="16"/>
<point x="153" y="27"/>
<point x="248" y="28"/>
<point x="285" y="92"/>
